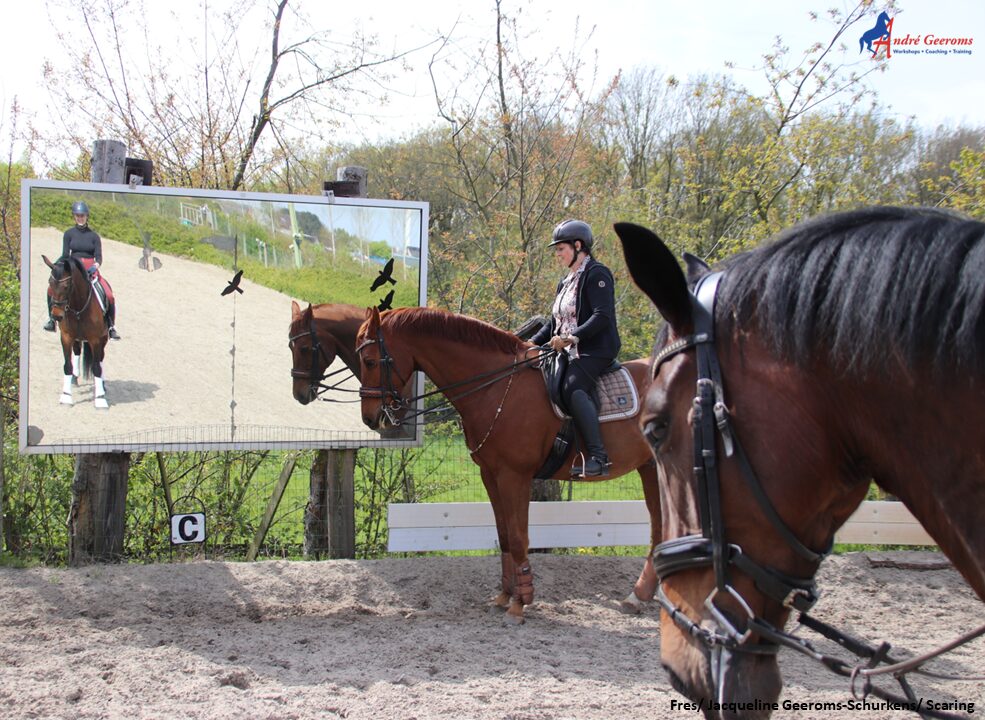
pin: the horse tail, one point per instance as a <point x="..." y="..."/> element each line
<point x="861" y="44"/>
<point x="85" y="363"/>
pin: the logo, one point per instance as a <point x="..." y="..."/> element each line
<point x="881" y="37"/>
<point x="878" y="37"/>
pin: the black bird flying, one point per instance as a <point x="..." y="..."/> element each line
<point x="384" y="276"/>
<point x="233" y="284"/>
<point x="386" y="303"/>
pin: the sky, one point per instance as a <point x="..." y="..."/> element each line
<point x="679" y="38"/>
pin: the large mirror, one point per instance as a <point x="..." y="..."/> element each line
<point x="204" y="285"/>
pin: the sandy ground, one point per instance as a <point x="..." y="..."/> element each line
<point x="412" y="638"/>
<point x="172" y="380"/>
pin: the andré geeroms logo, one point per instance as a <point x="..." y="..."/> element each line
<point x="881" y="42"/>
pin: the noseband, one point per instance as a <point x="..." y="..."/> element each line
<point x="391" y="401"/>
<point x="711" y="548"/>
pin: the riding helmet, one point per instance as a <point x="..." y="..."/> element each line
<point x="570" y="230"/>
<point x="80" y="208"/>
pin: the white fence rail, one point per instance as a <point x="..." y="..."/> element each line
<point x="470" y="526"/>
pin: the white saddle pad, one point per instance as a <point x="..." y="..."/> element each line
<point x="617" y="397"/>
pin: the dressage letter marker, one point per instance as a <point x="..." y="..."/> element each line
<point x="187" y="528"/>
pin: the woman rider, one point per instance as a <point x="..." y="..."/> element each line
<point x="583" y="324"/>
<point x="84" y="243"/>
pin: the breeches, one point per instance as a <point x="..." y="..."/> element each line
<point x="582" y="374"/>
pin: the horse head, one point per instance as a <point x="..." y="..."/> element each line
<point x="387" y="370"/>
<point x="312" y="350"/>
<point x="66" y="285"/>
<point x="712" y="597"/>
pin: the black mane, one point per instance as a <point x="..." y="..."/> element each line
<point x="858" y="287"/>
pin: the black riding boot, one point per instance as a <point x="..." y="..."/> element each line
<point x="50" y="325"/>
<point x="585" y="414"/>
<point x="111" y="321"/>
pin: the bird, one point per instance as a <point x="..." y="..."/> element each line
<point x="233" y="284"/>
<point x="386" y="303"/>
<point x="385" y="275"/>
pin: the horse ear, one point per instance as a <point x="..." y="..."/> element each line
<point x="696" y="268"/>
<point x="656" y="272"/>
<point x="295" y="310"/>
<point x="47" y="261"/>
<point x="372" y="320"/>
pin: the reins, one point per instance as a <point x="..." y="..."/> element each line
<point x="711" y="419"/>
<point x="66" y="304"/>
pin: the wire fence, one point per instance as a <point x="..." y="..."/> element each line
<point x="234" y="489"/>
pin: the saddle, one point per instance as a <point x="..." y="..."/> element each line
<point x="615" y="396"/>
<point x="97" y="287"/>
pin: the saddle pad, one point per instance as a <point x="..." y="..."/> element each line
<point x="617" y="396"/>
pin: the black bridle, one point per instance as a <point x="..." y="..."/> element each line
<point x="711" y="419"/>
<point x="316" y="352"/>
<point x="66" y="305"/>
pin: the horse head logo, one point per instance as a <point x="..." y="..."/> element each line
<point x="879" y="35"/>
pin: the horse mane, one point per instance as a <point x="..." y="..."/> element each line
<point x="64" y="265"/>
<point x="859" y="287"/>
<point x="449" y="326"/>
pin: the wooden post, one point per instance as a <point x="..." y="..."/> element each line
<point x="330" y="517"/>
<point x="96" y="520"/>
<point x="275" y="498"/>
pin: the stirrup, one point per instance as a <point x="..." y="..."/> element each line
<point x="113" y="334"/>
<point x="595" y="466"/>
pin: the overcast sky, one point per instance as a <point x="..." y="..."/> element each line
<point x="678" y="38"/>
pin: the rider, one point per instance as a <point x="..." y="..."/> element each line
<point x="583" y="324"/>
<point x="84" y="243"/>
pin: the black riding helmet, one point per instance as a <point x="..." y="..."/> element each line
<point x="80" y="208"/>
<point x="570" y="230"/>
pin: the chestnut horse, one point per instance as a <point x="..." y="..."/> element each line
<point x="506" y="415"/>
<point x="82" y="327"/>
<point x="850" y="349"/>
<point x="316" y="336"/>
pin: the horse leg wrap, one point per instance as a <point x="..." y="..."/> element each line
<point x="523" y="587"/>
<point x="66" y="398"/>
<point x="509" y="568"/>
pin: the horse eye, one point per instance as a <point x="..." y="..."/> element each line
<point x="655" y="431"/>
<point x="370" y="363"/>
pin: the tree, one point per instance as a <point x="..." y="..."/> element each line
<point x="234" y="113"/>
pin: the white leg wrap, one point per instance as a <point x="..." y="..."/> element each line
<point x="100" y="393"/>
<point x="75" y="365"/>
<point x="66" y="398"/>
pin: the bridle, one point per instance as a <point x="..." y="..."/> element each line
<point x="66" y="305"/>
<point x="317" y="352"/>
<point x="711" y="547"/>
<point x="392" y="402"/>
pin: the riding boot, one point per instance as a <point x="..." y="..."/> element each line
<point x="585" y="414"/>
<point x="50" y="325"/>
<point x="111" y="321"/>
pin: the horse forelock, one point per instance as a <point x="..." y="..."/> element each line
<point x="449" y="326"/>
<point x="852" y="288"/>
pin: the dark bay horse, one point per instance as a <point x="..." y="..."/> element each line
<point x="851" y="348"/>
<point x="507" y="418"/>
<point x="316" y="336"/>
<point x="83" y="330"/>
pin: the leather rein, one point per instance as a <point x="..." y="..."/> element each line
<point x="711" y="419"/>
<point x="399" y="409"/>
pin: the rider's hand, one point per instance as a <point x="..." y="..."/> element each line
<point x="559" y="343"/>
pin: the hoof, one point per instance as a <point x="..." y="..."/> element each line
<point x="502" y="600"/>
<point x="65" y="399"/>
<point x="514" y="616"/>
<point x="631" y="605"/>
<point x="101" y="403"/>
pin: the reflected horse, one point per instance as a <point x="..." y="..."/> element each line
<point x="852" y="348"/>
<point x="507" y="419"/>
<point x="83" y="330"/>
<point x="316" y="336"/>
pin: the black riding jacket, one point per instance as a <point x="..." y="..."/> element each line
<point x="597" y="333"/>
<point x="82" y="242"/>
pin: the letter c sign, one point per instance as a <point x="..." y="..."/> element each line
<point x="187" y="528"/>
